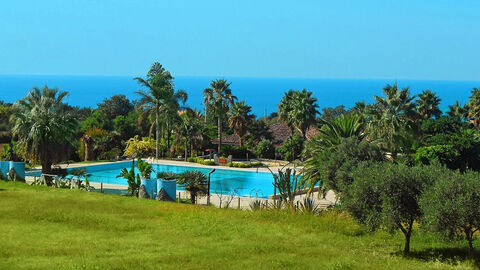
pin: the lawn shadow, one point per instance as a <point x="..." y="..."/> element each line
<point x="2" y="189"/>
<point x="444" y="255"/>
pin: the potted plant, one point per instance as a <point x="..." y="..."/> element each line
<point x="145" y="170"/>
<point x="167" y="185"/>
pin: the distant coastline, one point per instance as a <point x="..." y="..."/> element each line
<point x="261" y="93"/>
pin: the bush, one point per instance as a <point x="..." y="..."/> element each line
<point x="192" y="159"/>
<point x="265" y="149"/>
<point x="208" y="162"/>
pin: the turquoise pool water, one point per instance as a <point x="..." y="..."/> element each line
<point x="223" y="181"/>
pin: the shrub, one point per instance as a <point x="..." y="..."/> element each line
<point x="192" y="159"/>
<point x="143" y="148"/>
<point x="265" y="149"/>
<point x="209" y="162"/>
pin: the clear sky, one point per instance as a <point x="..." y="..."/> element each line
<point x="407" y="39"/>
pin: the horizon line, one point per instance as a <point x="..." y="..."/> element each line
<point x="250" y="77"/>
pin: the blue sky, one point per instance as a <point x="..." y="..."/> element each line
<point x="428" y="39"/>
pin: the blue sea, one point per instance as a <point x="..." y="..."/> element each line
<point x="263" y="94"/>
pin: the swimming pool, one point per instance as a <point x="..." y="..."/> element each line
<point x="222" y="181"/>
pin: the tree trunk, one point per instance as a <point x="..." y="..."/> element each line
<point x="408" y="233"/>
<point x="186" y="149"/>
<point x="157" y="132"/>
<point x="219" y="134"/>
<point x="46" y="160"/>
<point x="193" y="197"/>
<point x="168" y="138"/>
<point x="407" y="243"/>
<point x="469" y="236"/>
<point x="88" y="142"/>
<point x="206" y="106"/>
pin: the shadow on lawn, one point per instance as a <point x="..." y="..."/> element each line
<point x="444" y="255"/>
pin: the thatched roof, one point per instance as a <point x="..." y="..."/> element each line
<point x="280" y="133"/>
<point x="228" y="140"/>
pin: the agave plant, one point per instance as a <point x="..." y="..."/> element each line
<point x="308" y="205"/>
<point x="256" y="205"/>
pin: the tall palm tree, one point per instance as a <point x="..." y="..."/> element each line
<point x="457" y="110"/>
<point x="159" y="98"/>
<point x="428" y="105"/>
<point x="240" y="118"/>
<point x="298" y="110"/>
<point x="220" y="97"/>
<point x="474" y="107"/>
<point x="190" y="127"/>
<point x="394" y="118"/>
<point x="43" y="124"/>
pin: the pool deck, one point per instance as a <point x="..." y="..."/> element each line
<point x="219" y="200"/>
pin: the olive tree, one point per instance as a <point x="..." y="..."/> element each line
<point x="386" y="195"/>
<point x="452" y="204"/>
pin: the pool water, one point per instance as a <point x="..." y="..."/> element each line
<point x="222" y="181"/>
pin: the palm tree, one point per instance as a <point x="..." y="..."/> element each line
<point x="474" y="107"/>
<point x="219" y="95"/>
<point x="190" y="127"/>
<point x="427" y="105"/>
<point x="43" y="124"/>
<point x="193" y="182"/>
<point x="457" y="110"/>
<point x="240" y="118"/>
<point x="298" y="110"/>
<point x="159" y="98"/>
<point x="394" y="117"/>
<point x="333" y="132"/>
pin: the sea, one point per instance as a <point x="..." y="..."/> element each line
<point x="263" y="94"/>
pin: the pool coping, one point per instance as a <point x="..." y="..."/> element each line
<point x="169" y="162"/>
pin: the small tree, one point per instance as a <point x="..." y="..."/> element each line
<point x="193" y="182"/>
<point x="265" y="149"/>
<point x="144" y="168"/>
<point x="132" y="179"/>
<point x="387" y="194"/>
<point x="452" y="204"/>
<point x="291" y="148"/>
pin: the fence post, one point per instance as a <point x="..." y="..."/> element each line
<point x="101" y="187"/>
<point x="238" y="203"/>
<point x="179" y="197"/>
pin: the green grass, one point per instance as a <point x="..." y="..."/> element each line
<point x="44" y="228"/>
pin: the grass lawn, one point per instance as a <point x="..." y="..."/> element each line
<point x="44" y="228"/>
